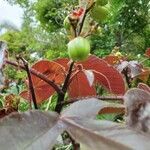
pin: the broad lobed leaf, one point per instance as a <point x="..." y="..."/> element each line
<point x="29" y="130"/>
<point x="80" y="87"/>
<point x="115" y="79"/>
<point x="39" y="130"/>
<point x="53" y="71"/>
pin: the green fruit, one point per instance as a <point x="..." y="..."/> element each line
<point x="101" y="2"/>
<point x="67" y="23"/>
<point x="79" y="49"/>
<point x="100" y="13"/>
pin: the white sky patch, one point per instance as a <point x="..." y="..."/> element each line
<point x="10" y="13"/>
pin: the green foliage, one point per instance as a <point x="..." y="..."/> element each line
<point x="51" y="13"/>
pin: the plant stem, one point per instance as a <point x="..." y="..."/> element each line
<point x="61" y="96"/>
<point x="37" y="74"/>
<point x="31" y="88"/>
<point x="81" y="22"/>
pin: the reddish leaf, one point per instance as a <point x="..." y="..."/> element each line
<point x="109" y="110"/>
<point x="144" y="75"/>
<point x="147" y="53"/>
<point x="79" y="86"/>
<point x="32" y="130"/>
<point x="53" y="71"/>
<point x="144" y="87"/>
<point x="101" y="79"/>
<point x="63" y="62"/>
<point x="112" y="60"/>
<point x="90" y="76"/>
<point x="137" y="103"/>
<point x="115" y="79"/>
<point x="42" y="93"/>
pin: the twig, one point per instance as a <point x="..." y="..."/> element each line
<point x="61" y="96"/>
<point x="37" y="74"/>
<point x="81" y="22"/>
<point x="31" y="89"/>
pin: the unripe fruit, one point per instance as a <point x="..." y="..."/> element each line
<point x="100" y="13"/>
<point x="79" y="49"/>
<point x="101" y="2"/>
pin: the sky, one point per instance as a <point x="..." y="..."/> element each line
<point x="10" y="13"/>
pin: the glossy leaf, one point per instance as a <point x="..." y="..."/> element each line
<point x="53" y="71"/>
<point x="115" y="79"/>
<point x="63" y="62"/>
<point x="80" y="87"/>
<point x="90" y="76"/>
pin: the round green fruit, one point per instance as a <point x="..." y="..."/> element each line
<point x="99" y="13"/>
<point x="78" y="49"/>
<point x="101" y="2"/>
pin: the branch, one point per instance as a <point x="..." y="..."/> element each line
<point x="31" y="89"/>
<point x="65" y="86"/>
<point x="37" y="74"/>
<point x="61" y="96"/>
<point x="81" y="22"/>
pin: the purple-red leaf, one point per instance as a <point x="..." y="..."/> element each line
<point x="39" y="130"/>
<point x="137" y="103"/>
<point x="43" y="90"/>
<point x="80" y="87"/>
<point x="144" y="87"/>
<point x="90" y="76"/>
<point x="147" y="53"/>
<point x="29" y="130"/>
<point x="115" y="79"/>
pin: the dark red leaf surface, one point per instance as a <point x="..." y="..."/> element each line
<point x="147" y="53"/>
<point x="109" y="110"/>
<point x="79" y="86"/>
<point x="53" y="71"/>
<point x="115" y="79"/>
<point x="63" y="62"/>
